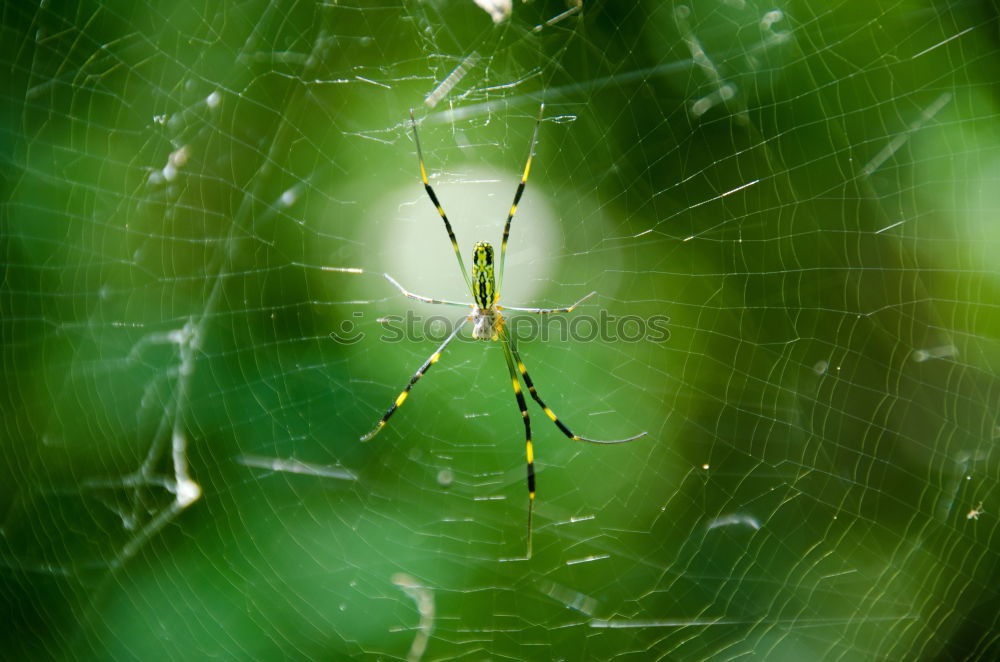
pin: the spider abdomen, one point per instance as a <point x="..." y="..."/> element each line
<point x="483" y="283"/>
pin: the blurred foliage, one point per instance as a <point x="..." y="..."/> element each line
<point x="808" y="192"/>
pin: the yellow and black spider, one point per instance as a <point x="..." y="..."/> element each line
<point x="487" y="320"/>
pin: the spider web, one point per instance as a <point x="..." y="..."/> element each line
<point x="196" y="200"/>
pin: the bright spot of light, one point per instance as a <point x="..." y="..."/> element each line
<point x="733" y="520"/>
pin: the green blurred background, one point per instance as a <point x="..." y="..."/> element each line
<point x="195" y="196"/>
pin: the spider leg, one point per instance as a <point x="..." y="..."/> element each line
<point x="517" y="196"/>
<point x="551" y="414"/>
<point x="401" y="398"/>
<point x="529" y="449"/>
<point x="545" y="311"/>
<point x="437" y="205"/>
<point x="411" y="295"/>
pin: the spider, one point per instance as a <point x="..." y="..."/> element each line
<point x="488" y="320"/>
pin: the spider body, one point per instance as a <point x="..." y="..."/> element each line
<point x="488" y="321"/>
